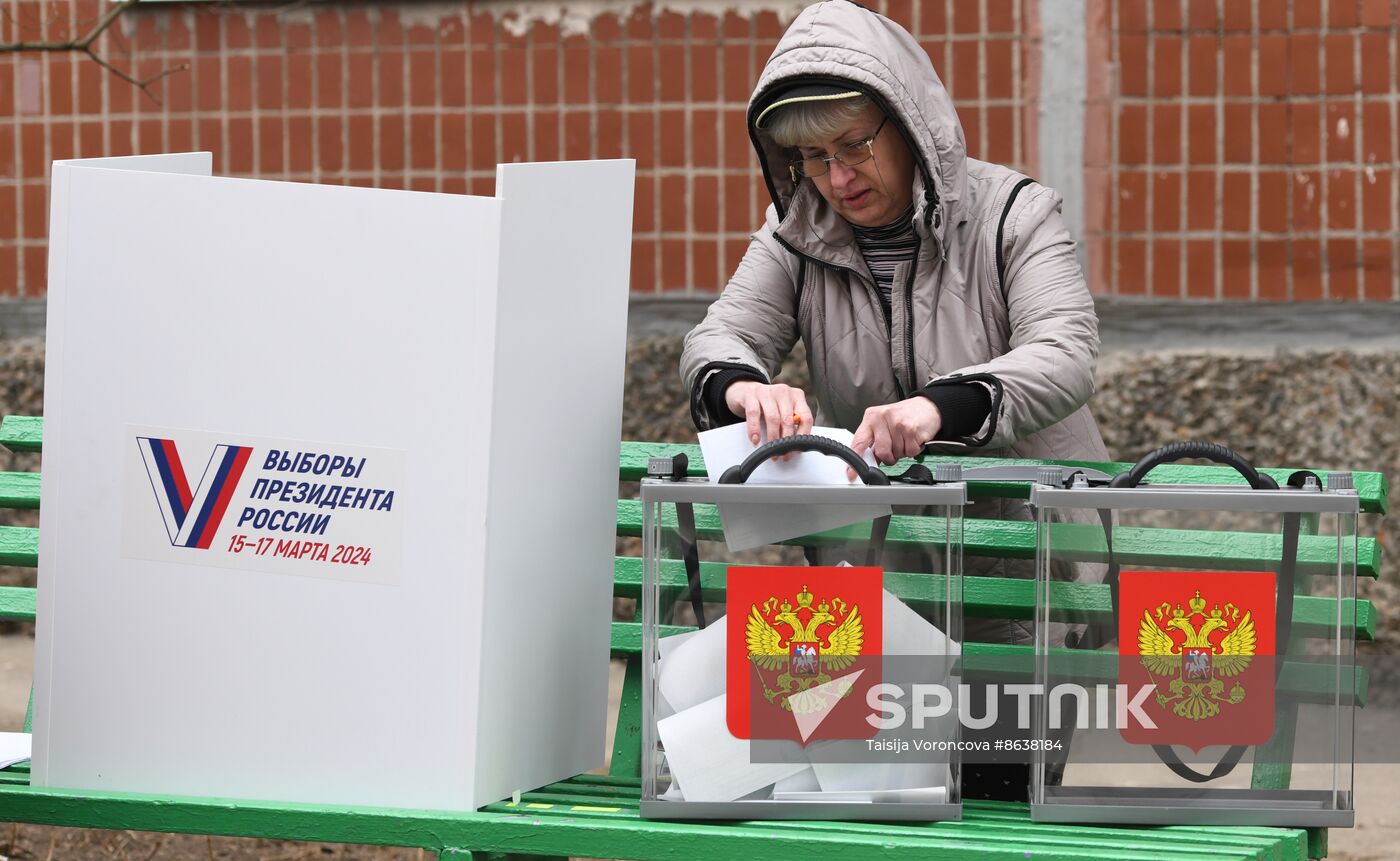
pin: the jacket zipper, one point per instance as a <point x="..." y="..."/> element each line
<point x="852" y="271"/>
<point x="870" y="289"/>
<point x="909" y="315"/>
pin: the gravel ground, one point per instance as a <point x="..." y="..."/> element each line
<point x="1329" y="410"/>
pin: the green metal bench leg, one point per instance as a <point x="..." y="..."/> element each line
<point x="1270" y="770"/>
<point x="29" y="712"/>
<point x="627" y="738"/>
<point x="1317" y="842"/>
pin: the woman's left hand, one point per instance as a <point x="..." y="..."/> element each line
<point x="898" y="430"/>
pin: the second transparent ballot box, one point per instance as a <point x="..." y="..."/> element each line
<point x="786" y="631"/>
<point x="1205" y="672"/>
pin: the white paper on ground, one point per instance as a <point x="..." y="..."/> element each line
<point x="710" y="763"/>
<point x="751" y="525"/>
<point x="14" y="747"/>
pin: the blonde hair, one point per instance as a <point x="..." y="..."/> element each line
<point x="803" y="123"/>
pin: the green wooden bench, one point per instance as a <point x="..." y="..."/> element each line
<point x="595" y="815"/>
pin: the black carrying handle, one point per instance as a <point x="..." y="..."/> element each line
<point x="740" y="473"/>
<point x="1188" y="449"/>
<point x="1284" y="601"/>
<point x="803" y="442"/>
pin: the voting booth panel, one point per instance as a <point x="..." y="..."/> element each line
<point x="1217" y="692"/>
<point x="787" y="633"/>
<point x="286" y="547"/>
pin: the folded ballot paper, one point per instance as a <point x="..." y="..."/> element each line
<point x="707" y="763"/>
<point x="747" y="526"/>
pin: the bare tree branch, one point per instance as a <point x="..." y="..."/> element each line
<point x="143" y="86"/>
<point x="105" y="21"/>
<point x="83" y="45"/>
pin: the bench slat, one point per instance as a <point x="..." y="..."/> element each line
<point x="1033" y="838"/>
<point x="983" y="815"/>
<point x="19" y="545"/>
<point x="1000" y="810"/>
<point x="25" y="433"/>
<point x="979" y="812"/>
<point x="22" y="433"/>
<point x="1015" y="539"/>
<point x="1372" y="487"/>
<point x="19" y="490"/>
<point x="1011" y="539"/>
<point x="990" y="597"/>
<point x="583" y="832"/>
<point x="984" y="597"/>
<point x="17" y="603"/>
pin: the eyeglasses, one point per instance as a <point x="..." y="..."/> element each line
<point x="850" y="155"/>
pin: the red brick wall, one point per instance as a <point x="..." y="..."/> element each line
<point x="1203" y="178"/>
<point x="432" y="96"/>
<point x="1243" y="150"/>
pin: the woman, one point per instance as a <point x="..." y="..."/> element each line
<point x="886" y="265"/>
<point x="939" y="297"/>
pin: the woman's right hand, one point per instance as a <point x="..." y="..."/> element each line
<point x="780" y="409"/>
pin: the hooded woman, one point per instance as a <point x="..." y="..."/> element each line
<point x="927" y="316"/>
<point x="938" y="297"/>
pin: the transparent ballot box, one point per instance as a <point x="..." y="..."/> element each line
<point x="1213" y="681"/>
<point x="787" y="632"/>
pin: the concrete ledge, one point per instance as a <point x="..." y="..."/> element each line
<point x="1247" y="326"/>
<point x="22" y="318"/>
<point x="1124" y="326"/>
<point x="1151" y="326"/>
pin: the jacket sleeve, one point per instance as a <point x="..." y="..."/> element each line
<point x="751" y="327"/>
<point x="1049" y="371"/>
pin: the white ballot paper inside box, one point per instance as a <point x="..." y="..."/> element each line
<point x="14" y="747"/>
<point x="707" y="763"/>
<point x="749" y="526"/>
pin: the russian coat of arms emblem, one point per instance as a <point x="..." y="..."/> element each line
<point x="1206" y="641"/>
<point x="799" y="641"/>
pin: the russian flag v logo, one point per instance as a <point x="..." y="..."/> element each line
<point x="192" y="517"/>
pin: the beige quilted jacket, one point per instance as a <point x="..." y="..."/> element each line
<point x="1031" y="338"/>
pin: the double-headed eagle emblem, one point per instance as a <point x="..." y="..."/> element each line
<point x="820" y="640"/>
<point x="1198" y="664"/>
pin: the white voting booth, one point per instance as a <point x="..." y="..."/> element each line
<point x="328" y="483"/>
